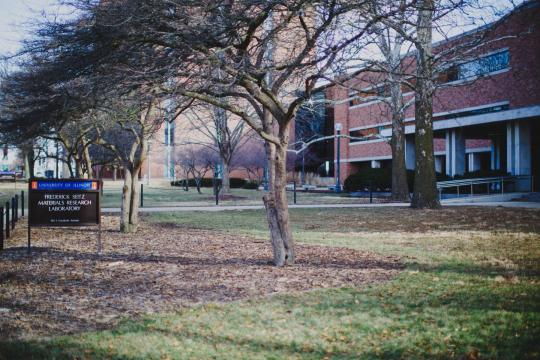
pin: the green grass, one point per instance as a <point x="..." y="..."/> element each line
<point x="497" y="238"/>
<point x="175" y="196"/>
<point x="471" y="289"/>
<point x="419" y="315"/>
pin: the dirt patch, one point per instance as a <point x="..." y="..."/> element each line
<point x="64" y="287"/>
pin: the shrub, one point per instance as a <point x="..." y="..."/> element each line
<point x="379" y="179"/>
<point x="251" y="185"/>
<point x="205" y="182"/>
<point x="237" y="183"/>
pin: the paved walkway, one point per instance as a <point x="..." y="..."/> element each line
<point x="518" y="204"/>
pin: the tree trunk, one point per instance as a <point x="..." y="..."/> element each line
<point x="275" y="202"/>
<point x="135" y="201"/>
<point x="125" y="225"/>
<point x="88" y="163"/>
<point x="115" y="169"/>
<point x="198" y="181"/>
<point x="425" y="182"/>
<point x="400" y="186"/>
<point x="78" y="168"/>
<point x="29" y="163"/>
<point x="225" y="182"/>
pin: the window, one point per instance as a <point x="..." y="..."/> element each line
<point x="362" y="96"/>
<point x="365" y="134"/>
<point x="480" y="111"/>
<point x="169" y="133"/>
<point x="478" y="67"/>
<point x="484" y="65"/>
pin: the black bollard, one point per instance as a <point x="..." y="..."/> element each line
<point x="371" y="192"/>
<point x="16" y="208"/>
<point x="22" y="203"/>
<point x="142" y="196"/>
<point x="294" y="191"/>
<point x="7" y="219"/>
<point x="13" y="211"/>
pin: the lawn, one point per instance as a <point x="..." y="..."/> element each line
<point x="175" y="196"/>
<point x="470" y="289"/>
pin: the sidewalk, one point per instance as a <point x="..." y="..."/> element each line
<point x="515" y="204"/>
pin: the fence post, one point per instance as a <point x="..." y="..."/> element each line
<point x="471" y="189"/>
<point x="16" y="207"/>
<point x="13" y="210"/>
<point x="142" y="195"/>
<point x="7" y="219"/>
<point x="216" y="192"/>
<point x="22" y="203"/>
<point x="2" y="228"/>
<point x="294" y="190"/>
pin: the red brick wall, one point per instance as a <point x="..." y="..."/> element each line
<point x="520" y="85"/>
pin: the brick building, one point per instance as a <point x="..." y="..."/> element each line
<point x="486" y="118"/>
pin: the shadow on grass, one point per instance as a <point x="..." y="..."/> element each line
<point x="318" y="261"/>
<point x="422" y="330"/>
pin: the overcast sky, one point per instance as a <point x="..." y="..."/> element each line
<point x="15" y="15"/>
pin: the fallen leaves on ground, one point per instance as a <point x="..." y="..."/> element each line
<point x="65" y="287"/>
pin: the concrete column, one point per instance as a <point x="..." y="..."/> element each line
<point x="410" y="155"/>
<point x="496" y="153"/>
<point x="375" y="164"/>
<point x="518" y="147"/>
<point x="474" y="162"/>
<point x="455" y="152"/>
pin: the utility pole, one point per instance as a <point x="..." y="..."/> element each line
<point x="338" y="155"/>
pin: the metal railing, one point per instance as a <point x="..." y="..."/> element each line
<point x="499" y="183"/>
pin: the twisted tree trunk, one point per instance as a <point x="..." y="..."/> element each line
<point x="275" y="202"/>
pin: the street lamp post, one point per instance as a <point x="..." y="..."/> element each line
<point x="338" y="155"/>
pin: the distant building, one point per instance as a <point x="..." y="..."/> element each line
<point x="11" y="162"/>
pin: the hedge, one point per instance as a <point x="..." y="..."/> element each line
<point x="381" y="179"/>
<point x="236" y="183"/>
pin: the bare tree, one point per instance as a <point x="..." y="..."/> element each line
<point x="251" y="158"/>
<point x="218" y="131"/>
<point x="196" y="161"/>
<point x="132" y="123"/>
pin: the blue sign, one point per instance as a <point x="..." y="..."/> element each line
<point x="64" y="185"/>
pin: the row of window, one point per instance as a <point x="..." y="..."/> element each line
<point x="478" y="67"/>
<point x="475" y="68"/>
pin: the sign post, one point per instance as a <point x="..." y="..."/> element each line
<point x="64" y="203"/>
